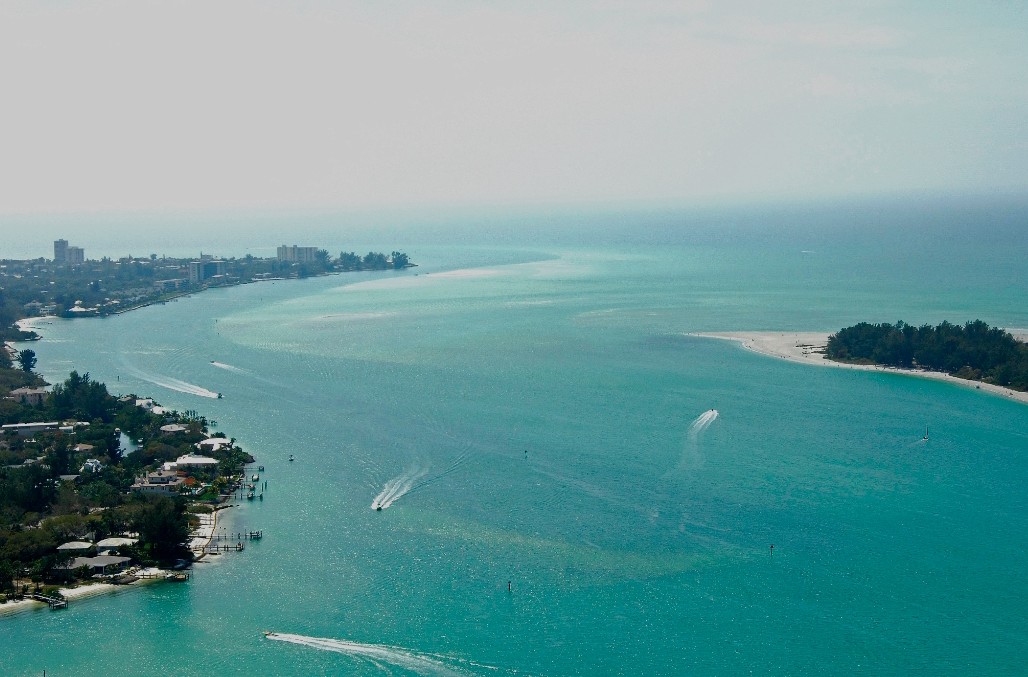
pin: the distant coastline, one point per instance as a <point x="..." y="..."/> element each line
<point x="808" y="348"/>
<point x="72" y="286"/>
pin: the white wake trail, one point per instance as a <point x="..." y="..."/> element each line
<point x="397" y="487"/>
<point x="374" y="653"/>
<point x="691" y="459"/>
<point x="173" y="384"/>
<point x="702" y="422"/>
<point x="228" y="367"/>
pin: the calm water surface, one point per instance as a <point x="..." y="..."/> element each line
<point x="534" y="413"/>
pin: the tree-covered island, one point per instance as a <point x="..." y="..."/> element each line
<point x="974" y="351"/>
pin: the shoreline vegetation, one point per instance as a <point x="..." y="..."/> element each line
<point x="809" y="348"/>
<point x="69" y="487"/>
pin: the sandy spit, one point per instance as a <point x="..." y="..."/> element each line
<point x="808" y="348"/>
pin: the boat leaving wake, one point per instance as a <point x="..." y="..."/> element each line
<point x="380" y="655"/>
<point x="397" y="487"/>
<point x="228" y="367"/>
<point x="691" y="459"/>
<point x="702" y="422"/>
<point x="173" y="384"/>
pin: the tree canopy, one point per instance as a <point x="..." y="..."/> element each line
<point x="973" y="351"/>
<point x="27" y="359"/>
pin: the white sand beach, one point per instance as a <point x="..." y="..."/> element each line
<point x="808" y="348"/>
<point x="202" y="535"/>
<point x="86" y="591"/>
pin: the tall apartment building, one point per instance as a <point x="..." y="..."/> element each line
<point x="205" y="269"/>
<point x="64" y="253"/>
<point x="295" y="254"/>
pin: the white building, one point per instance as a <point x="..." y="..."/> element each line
<point x="294" y="254"/>
<point x="91" y="465"/>
<point x="213" y="444"/>
<point x="192" y="461"/>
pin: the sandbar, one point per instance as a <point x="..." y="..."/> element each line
<point x="808" y="348"/>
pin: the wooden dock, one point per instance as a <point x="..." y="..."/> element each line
<point x="239" y="536"/>
<point x="214" y="547"/>
<point x="161" y="574"/>
<point x="53" y="602"/>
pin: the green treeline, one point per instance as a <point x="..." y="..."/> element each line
<point x="349" y="261"/>
<point x="973" y="351"/>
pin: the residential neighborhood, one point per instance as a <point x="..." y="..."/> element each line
<point x="95" y="487"/>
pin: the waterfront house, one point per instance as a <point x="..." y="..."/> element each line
<point x="108" y="545"/>
<point x="160" y="482"/>
<point x="213" y="444"/>
<point x="101" y="564"/>
<point x="192" y="461"/>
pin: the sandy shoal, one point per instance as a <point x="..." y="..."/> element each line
<point x="808" y="348"/>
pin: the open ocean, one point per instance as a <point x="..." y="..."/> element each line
<point x="527" y="406"/>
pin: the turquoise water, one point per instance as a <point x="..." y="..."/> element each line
<point x="534" y="412"/>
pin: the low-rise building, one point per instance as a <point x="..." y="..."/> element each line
<point x="213" y="444"/>
<point x="193" y="461"/>
<point x="74" y="546"/>
<point x="170" y="285"/>
<point x="31" y="396"/>
<point x="92" y="465"/>
<point x="108" y="545"/>
<point x="30" y="429"/>
<point x="101" y="564"/>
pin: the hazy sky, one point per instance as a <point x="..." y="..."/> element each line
<point x="112" y="105"/>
